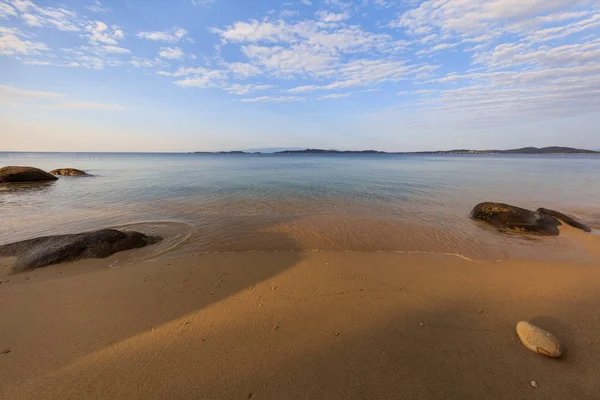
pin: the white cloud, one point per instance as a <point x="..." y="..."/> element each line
<point x="200" y="77"/>
<point x="240" y="90"/>
<point x="32" y="20"/>
<point x="510" y="55"/>
<point x="273" y="99"/>
<point x="529" y="61"/>
<point x="558" y="32"/>
<point x="244" y="69"/>
<point x="11" y="43"/>
<point x="476" y="17"/>
<point x="304" y="48"/>
<point x="10" y="95"/>
<point x="100" y="32"/>
<point x="116" y="49"/>
<point x="334" y="96"/>
<point x="51" y="17"/>
<point x="97" y="7"/>
<point x="344" y="5"/>
<point x="299" y="59"/>
<point x="327" y="16"/>
<point x="288" y="13"/>
<point x="171" y="53"/>
<point x="255" y="31"/>
<point x="369" y="72"/>
<point x="22" y="5"/>
<point x="148" y="63"/>
<point x="203" y="3"/>
<point x="36" y="62"/>
<point x="386" y="3"/>
<point x="97" y="60"/>
<point x="444" y="46"/>
<point x="13" y="96"/>
<point x="172" y="35"/>
<point x="7" y="11"/>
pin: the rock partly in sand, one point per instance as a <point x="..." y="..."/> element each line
<point x="24" y="174"/>
<point x="49" y="250"/>
<point x="69" y="172"/>
<point x="538" y="340"/>
<point x="507" y="218"/>
<point x="564" y="218"/>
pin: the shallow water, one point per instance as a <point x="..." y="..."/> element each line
<point x="216" y="203"/>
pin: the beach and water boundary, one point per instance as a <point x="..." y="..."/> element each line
<point x="264" y="291"/>
<point x="242" y="203"/>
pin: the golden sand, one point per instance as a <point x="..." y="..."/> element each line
<point x="299" y="325"/>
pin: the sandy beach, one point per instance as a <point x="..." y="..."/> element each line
<point x="309" y="325"/>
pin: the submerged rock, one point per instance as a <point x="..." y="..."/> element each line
<point x="24" y="174"/>
<point x="507" y="218"/>
<point x="564" y="218"/>
<point x="538" y="340"/>
<point x="49" y="250"/>
<point x="69" y="172"/>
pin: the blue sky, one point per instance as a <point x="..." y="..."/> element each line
<point x="183" y="75"/>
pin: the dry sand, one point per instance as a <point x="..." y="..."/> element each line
<point x="299" y="326"/>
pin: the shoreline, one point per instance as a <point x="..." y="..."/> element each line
<point x="571" y="246"/>
<point x="335" y="325"/>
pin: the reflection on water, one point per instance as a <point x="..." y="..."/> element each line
<point x="208" y="203"/>
<point x="19" y="188"/>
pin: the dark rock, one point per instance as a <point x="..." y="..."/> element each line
<point x="564" y="218"/>
<point x="24" y="174"/>
<point x="507" y="218"/>
<point x="69" y="172"/>
<point x="49" y="250"/>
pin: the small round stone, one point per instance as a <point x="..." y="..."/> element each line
<point x="538" y="340"/>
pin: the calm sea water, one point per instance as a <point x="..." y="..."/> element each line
<point x="215" y="203"/>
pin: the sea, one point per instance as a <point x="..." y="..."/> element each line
<point x="213" y="203"/>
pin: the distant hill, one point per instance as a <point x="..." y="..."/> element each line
<point x="320" y="151"/>
<point x="524" y="150"/>
<point x="224" y="152"/>
<point x="268" y="150"/>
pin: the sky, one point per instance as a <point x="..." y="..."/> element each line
<point x="209" y="75"/>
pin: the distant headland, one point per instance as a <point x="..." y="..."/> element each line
<point x="524" y="150"/>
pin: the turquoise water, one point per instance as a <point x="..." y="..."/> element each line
<point x="210" y="203"/>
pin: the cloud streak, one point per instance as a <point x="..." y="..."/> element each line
<point x="14" y="96"/>
<point x="172" y="35"/>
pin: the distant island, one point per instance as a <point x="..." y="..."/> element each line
<point x="524" y="150"/>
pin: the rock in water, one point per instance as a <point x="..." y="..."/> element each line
<point x="24" y="174"/>
<point x="538" y="340"/>
<point x="507" y="218"/>
<point x="564" y="218"/>
<point x="49" y="250"/>
<point x="69" y="172"/>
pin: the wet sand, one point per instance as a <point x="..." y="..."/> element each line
<point x="299" y="325"/>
